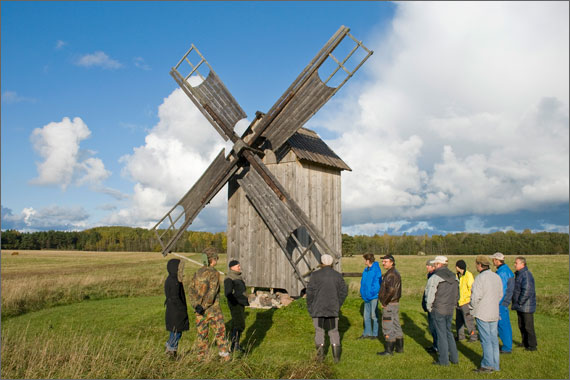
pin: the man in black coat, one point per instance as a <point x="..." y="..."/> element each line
<point x="235" y="291"/>
<point x="176" y="315"/>
<point x="326" y="293"/>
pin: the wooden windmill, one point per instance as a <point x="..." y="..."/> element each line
<point x="294" y="232"/>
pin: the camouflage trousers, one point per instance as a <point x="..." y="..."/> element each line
<point x="213" y="318"/>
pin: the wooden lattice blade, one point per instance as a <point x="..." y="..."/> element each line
<point x="205" y="188"/>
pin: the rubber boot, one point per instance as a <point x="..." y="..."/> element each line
<point x="233" y="340"/>
<point x="237" y="345"/>
<point x="320" y="352"/>
<point x="336" y="350"/>
<point x="400" y="345"/>
<point x="388" y="349"/>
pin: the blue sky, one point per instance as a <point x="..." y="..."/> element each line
<point x="458" y="122"/>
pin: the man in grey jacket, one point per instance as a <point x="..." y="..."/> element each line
<point x="442" y="294"/>
<point x="326" y="293"/>
<point x="486" y="294"/>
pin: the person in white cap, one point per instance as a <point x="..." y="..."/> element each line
<point x="442" y="295"/>
<point x="326" y="293"/>
<point x="508" y="279"/>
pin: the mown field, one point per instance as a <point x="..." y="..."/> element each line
<point x="101" y="315"/>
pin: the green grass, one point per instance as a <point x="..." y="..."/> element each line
<point x="121" y="334"/>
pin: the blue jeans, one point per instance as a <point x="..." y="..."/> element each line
<point x="371" y="318"/>
<point x="505" y="329"/>
<point x="172" y="343"/>
<point x="490" y="342"/>
<point x="447" y="349"/>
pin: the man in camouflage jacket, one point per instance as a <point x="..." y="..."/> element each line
<point x="204" y="296"/>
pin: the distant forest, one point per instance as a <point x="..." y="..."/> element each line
<point x="143" y="240"/>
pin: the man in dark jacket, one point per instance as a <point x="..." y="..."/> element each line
<point x="430" y="268"/>
<point x="326" y="293"/>
<point x="235" y="291"/>
<point x="389" y="297"/>
<point x="176" y="315"/>
<point x="524" y="302"/>
<point x="442" y="295"/>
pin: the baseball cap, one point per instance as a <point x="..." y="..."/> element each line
<point x="440" y="259"/>
<point x="498" y="256"/>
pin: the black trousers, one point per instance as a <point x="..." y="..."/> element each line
<point x="526" y="325"/>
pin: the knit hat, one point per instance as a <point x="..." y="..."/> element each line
<point x="326" y="259"/>
<point x="233" y="263"/>
<point x="461" y="264"/>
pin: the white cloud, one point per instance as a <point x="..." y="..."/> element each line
<point x="140" y="63"/>
<point x="176" y="152"/>
<point x="48" y="218"/>
<point x="60" y="44"/>
<point x="99" y="59"/>
<point x="465" y="111"/>
<point x="10" y="97"/>
<point x="477" y="225"/>
<point x="58" y="144"/>
<point x="549" y="227"/>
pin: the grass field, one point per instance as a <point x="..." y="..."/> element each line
<point x="101" y="315"/>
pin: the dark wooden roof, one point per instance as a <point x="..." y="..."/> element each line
<point x="308" y="146"/>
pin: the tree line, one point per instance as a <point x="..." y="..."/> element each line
<point x="509" y="243"/>
<point x="143" y="240"/>
<point x="110" y="239"/>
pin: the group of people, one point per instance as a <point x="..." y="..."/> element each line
<point x="204" y="297"/>
<point x="481" y="305"/>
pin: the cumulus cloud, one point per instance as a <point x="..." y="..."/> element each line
<point x="176" y="152"/>
<point x="58" y="143"/>
<point x="48" y="218"/>
<point x="464" y="111"/>
<point x="98" y="59"/>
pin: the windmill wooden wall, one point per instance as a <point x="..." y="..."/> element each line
<point x="311" y="172"/>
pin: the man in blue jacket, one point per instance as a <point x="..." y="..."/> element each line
<point x="508" y="280"/>
<point x="369" y="288"/>
<point x="524" y="302"/>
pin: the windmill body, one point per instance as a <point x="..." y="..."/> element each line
<point x="311" y="172"/>
<point x="278" y="171"/>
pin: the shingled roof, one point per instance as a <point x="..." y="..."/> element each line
<point x="308" y="146"/>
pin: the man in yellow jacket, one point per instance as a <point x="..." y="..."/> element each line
<point x="463" y="317"/>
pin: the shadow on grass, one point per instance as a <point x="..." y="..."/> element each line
<point x="414" y="331"/>
<point x="256" y="332"/>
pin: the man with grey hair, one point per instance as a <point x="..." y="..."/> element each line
<point x="326" y="293"/>
<point x="430" y="268"/>
<point x="524" y="302"/>
<point x="442" y="294"/>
